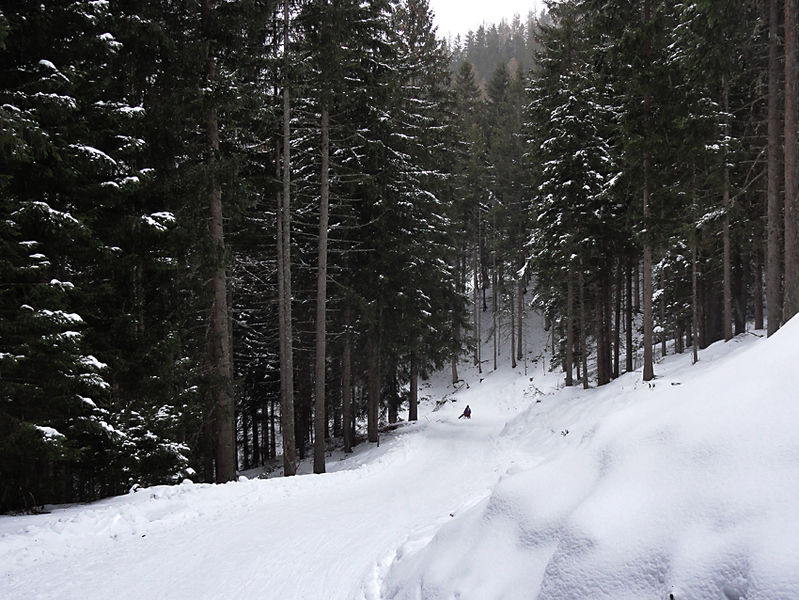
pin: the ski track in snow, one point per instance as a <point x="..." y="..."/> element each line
<point x="312" y="536"/>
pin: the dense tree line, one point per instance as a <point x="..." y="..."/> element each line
<point x="662" y="147"/>
<point x="644" y="181"/>
<point x="161" y="163"/>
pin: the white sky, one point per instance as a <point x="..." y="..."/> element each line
<point x="460" y="16"/>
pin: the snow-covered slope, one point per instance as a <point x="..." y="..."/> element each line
<point x="689" y="487"/>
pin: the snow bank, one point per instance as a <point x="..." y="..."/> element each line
<point x="690" y="487"/>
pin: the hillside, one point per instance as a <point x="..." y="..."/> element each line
<point x="690" y="487"/>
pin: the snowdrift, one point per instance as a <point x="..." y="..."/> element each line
<point x="688" y="486"/>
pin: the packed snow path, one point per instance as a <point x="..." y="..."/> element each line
<point x="305" y="537"/>
<point x="688" y="485"/>
<point x="311" y="536"/>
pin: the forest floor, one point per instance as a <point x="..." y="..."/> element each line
<point x="688" y="487"/>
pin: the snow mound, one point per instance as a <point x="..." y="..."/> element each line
<point x="688" y="487"/>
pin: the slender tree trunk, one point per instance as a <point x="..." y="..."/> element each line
<point x="512" y="327"/>
<point x="457" y="334"/>
<point x="346" y="383"/>
<point x="413" y="399"/>
<point x="617" y="321"/>
<point x="494" y="310"/>
<point x="583" y="335"/>
<point x="303" y="385"/>
<point x="648" y="372"/>
<point x="628" y="351"/>
<point x="320" y="418"/>
<point x="758" y="287"/>
<point x="694" y="303"/>
<point x="774" y="208"/>
<point x="477" y="360"/>
<point x="456" y="328"/>
<point x="373" y="383"/>
<point x="791" y="213"/>
<point x="727" y="291"/>
<point x="272" y="432"/>
<point x="495" y="285"/>
<point x="284" y="279"/>
<point x="219" y="342"/>
<point x="662" y="307"/>
<point x="520" y="322"/>
<point x="245" y="440"/>
<point x="741" y="293"/>
<point x="607" y="313"/>
<point x="599" y="327"/>
<point x="475" y="310"/>
<point x="257" y="437"/>
<point x="570" y="328"/>
<point x="393" y="397"/>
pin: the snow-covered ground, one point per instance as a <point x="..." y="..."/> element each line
<point x="689" y="487"/>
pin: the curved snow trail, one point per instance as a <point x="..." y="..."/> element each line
<point x="306" y="537"/>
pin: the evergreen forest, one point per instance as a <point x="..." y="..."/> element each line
<point x="234" y="234"/>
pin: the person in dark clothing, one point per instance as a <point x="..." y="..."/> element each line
<point x="467" y="412"/>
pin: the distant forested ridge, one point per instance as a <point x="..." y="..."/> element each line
<point x="513" y="44"/>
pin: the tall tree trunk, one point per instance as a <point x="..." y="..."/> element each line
<point x="520" y="320"/>
<point x="662" y="307"/>
<point x="774" y="208"/>
<point x="346" y="380"/>
<point x="599" y="327"/>
<point x="628" y="315"/>
<point x="648" y="370"/>
<point x="791" y="213"/>
<point x="373" y="383"/>
<point x="320" y="418"/>
<point x="583" y="335"/>
<point x="245" y="440"/>
<point x="257" y="437"/>
<point x="219" y="343"/>
<point x="694" y="303"/>
<point x="477" y="359"/>
<point x="607" y="313"/>
<point x="494" y="314"/>
<point x="413" y="398"/>
<point x="303" y="384"/>
<point x="570" y="327"/>
<point x="272" y="432"/>
<point x="475" y="310"/>
<point x="741" y="293"/>
<point x="758" y="287"/>
<point x="284" y="278"/>
<point x="456" y="328"/>
<point x="726" y="224"/>
<point x="512" y="327"/>
<point x="617" y="317"/>
<point x="393" y="396"/>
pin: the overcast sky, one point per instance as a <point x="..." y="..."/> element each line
<point x="460" y="16"/>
